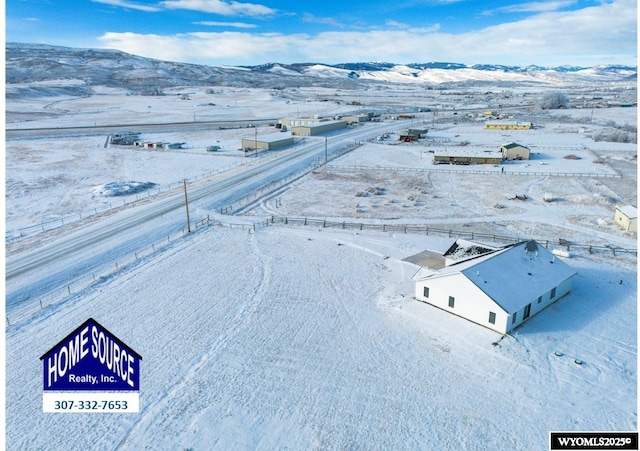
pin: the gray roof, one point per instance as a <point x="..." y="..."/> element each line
<point x="629" y="211"/>
<point x="513" y="145"/>
<point x="513" y="276"/>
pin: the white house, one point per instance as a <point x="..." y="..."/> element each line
<point x="498" y="289"/>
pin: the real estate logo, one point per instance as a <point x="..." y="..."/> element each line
<point x="91" y="370"/>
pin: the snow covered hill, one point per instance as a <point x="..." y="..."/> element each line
<point x="100" y="67"/>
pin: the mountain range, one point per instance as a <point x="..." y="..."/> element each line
<point x="31" y="63"/>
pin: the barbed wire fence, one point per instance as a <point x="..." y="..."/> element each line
<point x="26" y="309"/>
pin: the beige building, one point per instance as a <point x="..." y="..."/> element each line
<point x="515" y="151"/>
<point x="356" y="118"/>
<point x="267" y="142"/>
<point x="626" y="217"/>
<point x="508" y="125"/>
<point x="466" y="156"/>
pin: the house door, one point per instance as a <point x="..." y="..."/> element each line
<point x="527" y="312"/>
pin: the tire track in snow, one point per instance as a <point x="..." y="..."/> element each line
<point x="238" y="323"/>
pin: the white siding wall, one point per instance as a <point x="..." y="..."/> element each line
<point x="469" y="301"/>
<point x="546" y="300"/>
<point x="628" y="224"/>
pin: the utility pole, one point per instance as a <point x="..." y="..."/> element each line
<point x="186" y="204"/>
<point x="325" y="149"/>
<point x="256" y="140"/>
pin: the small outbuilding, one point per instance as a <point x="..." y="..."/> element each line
<point x="497" y="288"/>
<point x="515" y="151"/>
<point x="419" y="132"/>
<point x="626" y="217"/>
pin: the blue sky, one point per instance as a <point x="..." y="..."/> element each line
<point x="225" y="32"/>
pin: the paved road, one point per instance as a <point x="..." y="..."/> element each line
<point x="42" y="132"/>
<point x="83" y="250"/>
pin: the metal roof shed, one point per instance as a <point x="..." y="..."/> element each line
<point x="318" y="129"/>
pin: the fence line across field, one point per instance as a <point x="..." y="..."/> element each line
<point x="28" y="309"/>
<point x="497" y="171"/>
<point x="451" y="233"/>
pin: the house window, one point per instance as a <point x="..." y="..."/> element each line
<point x="492" y="317"/>
<point x="539" y="299"/>
<point x="527" y="312"/>
<point x="426" y="292"/>
<point x="553" y="292"/>
<point x="452" y="301"/>
<point x="514" y="318"/>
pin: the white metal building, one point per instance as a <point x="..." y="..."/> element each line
<point x="317" y="129"/>
<point x="500" y="289"/>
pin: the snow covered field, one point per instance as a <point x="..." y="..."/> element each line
<point x="309" y="338"/>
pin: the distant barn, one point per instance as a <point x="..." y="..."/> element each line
<point x="466" y="156"/>
<point x="508" y="125"/>
<point x="515" y="151"/>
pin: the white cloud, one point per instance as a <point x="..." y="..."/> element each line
<point x="221" y="7"/>
<point x="402" y="26"/>
<point x="129" y="5"/>
<point x="597" y="35"/>
<point x="210" y="23"/>
<point x="310" y="18"/>
<point x="535" y="7"/>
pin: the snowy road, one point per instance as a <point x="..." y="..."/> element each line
<point x="86" y="248"/>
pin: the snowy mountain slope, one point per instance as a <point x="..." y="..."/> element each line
<point x="34" y="62"/>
